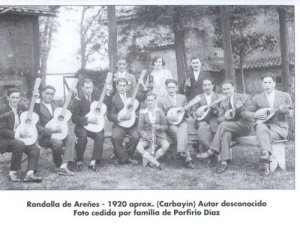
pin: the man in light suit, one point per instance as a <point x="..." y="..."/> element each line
<point x="192" y="85"/>
<point x="179" y="133"/>
<point x="118" y="132"/>
<point x="62" y="151"/>
<point x="208" y="127"/>
<point x="277" y="127"/>
<point x="239" y="125"/>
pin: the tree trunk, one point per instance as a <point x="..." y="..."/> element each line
<point x="112" y="37"/>
<point x="82" y="39"/>
<point x="285" y="70"/>
<point x="242" y="74"/>
<point x="227" y="48"/>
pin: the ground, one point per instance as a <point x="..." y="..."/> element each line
<point x="242" y="174"/>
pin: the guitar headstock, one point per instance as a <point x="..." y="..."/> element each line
<point x="74" y="84"/>
<point x="142" y="75"/>
<point x="35" y="92"/>
<point x="196" y="99"/>
<point x="109" y="78"/>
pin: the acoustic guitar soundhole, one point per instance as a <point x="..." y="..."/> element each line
<point x="97" y="110"/>
<point x="60" y="118"/>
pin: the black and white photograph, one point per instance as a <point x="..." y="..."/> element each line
<point x="147" y="97"/>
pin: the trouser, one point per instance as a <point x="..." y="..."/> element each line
<point x="33" y="153"/>
<point x="118" y="134"/>
<point x="205" y="135"/>
<point x="59" y="153"/>
<point x="265" y="136"/>
<point x="82" y="135"/>
<point x="143" y="144"/>
<point x="179" y="134"/>
<point x="222" y="140"/>
<point x="16" y="148"/>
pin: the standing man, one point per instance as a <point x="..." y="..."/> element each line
<point x="192" y="85"/>
<point x="8" y="123"/>
<point x="80" y="108"/>
<point x="277" y="127"/>
<point x="179" y="133"/>
<point x="118" y="132"/>
<point x="239" y="125"/>
<point x="208" y="126"/>
<point x="62" y="151"/>
<point x="122" y="73"/>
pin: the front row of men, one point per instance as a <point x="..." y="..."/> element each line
<point x="149" y="134"/>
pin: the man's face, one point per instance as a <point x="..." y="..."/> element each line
<point x="207" y="86"/>
<point x="150" y="101"/>
<point x="228" y="90"/>
<point x="14" y="99"/>
<point x="48" y="95"/>
<point x="158" y="64"/>
<point x="122" y="65"/>
<point x="171" y="89"/>
<point x="121" y="87"/>
<point x="268" y="84"/>
<point x="87" y="88"/>
<point x="196" y="64"/>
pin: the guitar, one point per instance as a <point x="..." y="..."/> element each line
<point x="175" y="115"/>
<point x="270" y="112"/>
<point x="231" y="113"/>
<point x="203" y="111"/>
<point x="61" y="116"/>
<point x="28" y="121"/>
<point x="130" y="106"/>
<point x="98" y="109"/>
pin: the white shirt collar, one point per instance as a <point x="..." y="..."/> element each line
<point x="122" y="74"/>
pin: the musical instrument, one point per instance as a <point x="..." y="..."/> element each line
<point x="270" y="112"/>
<point x="61" y="116"/>
<point x="175" y="115"/>
<point x="203" y="111"/>
<point x="230" y="114"/>
<point x="153" y="143"/>
<point x="130" y="106"/>
<point x="28" y="121"/>
<point x="148" y="85"/>
<point x="6" y="114"/>
<point x="98" y="109"/>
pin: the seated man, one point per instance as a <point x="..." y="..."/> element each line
<point x="119" y="132"/>
<point x="80" y="108"/>
<point x="277" y="127"/>
<point x="179" y="133"/>
<point x="234" y="124"/>
<point x="152" y="126"/>
<point x="62" y="151"/>
<point x="8" y="123"/>
<point x="208" y="126"/>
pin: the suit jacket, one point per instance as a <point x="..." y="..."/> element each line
<point x="213" y="115"/>
<point x="165" y="102"/>
<point x="279" y="122"/>
<point x="81" y="106"/>
<point x="243" y="114"/>
<point x="131" y="82"/>
<point x="7" y="125"/>
<point x="196" y="85"/>
<point x="145" y="126"/>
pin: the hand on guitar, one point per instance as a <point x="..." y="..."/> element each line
<point x="157" y="127"/>
<point x="56" y="129"/>
<point x="188" y="82"/>
<point x="109" y="89"/>
<point x="93" y="120"/>
<point x="284" y="108"/>
<point x="124" y="117"/>
<point x="25" y="134"/>
<point x="36" y="94"/>
<point x="239" y="104"/>
<point x="261" y="115"/>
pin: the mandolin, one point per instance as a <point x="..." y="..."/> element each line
<point x="61" y="116"/>
<point x="98" y="109"/>
<point x="203" y="111"/>
<point x="231" y="113"/>
<point x="270" y="113"/>
<point x="175" y="115"/>
<point x="28" y="121"/>
<point x="130" y="106"/>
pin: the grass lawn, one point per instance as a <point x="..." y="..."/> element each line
<point x="242" y="174"/>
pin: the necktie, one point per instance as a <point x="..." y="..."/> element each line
<point x="230" y="105"/>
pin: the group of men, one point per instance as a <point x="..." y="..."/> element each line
<point x="152" y="134"/>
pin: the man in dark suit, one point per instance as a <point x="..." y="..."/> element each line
<point x="277" y="127"/>
<point x="207" y="127"/>
<point x="62" y="151"/>
<point x="179" y="133"/>
<point x="192" y="85"/>
<point x="239" y="125"/>
<point x="8" y="123"/>
<point x="118" y="132"/>
<point x="80" y="108"/>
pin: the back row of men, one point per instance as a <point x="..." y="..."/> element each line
<point x="152" y="132"/>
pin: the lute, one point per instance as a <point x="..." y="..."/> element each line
<point x="270" y="113"/>
<point x="203" y="111"/>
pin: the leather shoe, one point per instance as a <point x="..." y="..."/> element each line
<point x="132" y="161"/>
<point x="180" y="155"/>
<point x="189" y="165"/>
<point x="65" y="172"/>
<point x="79" y="167"/>
<point x="160" y="166"/>
<point x="204" y="155"/>
<point x="14" y="177"/>
<point x="265" y="158"/>
<point x="222" y="168"/>
<point x="32" y="178"/>
<point x="94" y="167"/>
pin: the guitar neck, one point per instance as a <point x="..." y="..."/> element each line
<point x="66" y="104"/>
<point x="107" y="81"/>
<point x="31" y="107"/>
